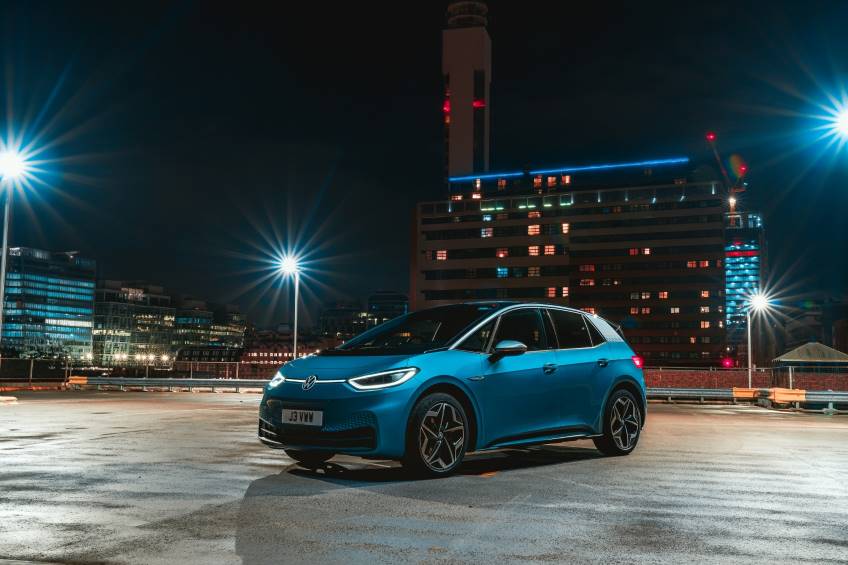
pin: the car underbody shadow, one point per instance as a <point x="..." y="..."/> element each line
<point x="362" y="472"/>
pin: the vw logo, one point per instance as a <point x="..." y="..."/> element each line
<point x="309" y="382"/>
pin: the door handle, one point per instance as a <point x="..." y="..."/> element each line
<point x="549" y="368"/>
<point x="603" y="362"/>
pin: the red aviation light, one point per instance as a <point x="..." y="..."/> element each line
<point x="711" y="136"/>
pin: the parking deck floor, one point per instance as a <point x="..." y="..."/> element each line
<point x="90" y="477"/>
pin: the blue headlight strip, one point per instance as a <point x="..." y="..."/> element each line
<point x="572" y="169"/>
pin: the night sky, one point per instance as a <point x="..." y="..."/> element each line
<point x="191" y="138"/>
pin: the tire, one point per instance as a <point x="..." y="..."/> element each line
<point x="437" y="436"/>
<point x="622" y="424"/>
<point x="309" y="459"/>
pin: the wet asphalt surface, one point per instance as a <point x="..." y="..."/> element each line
<point x="180" y="478"/>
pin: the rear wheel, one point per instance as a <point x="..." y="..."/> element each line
<point x="437" y="437"/>
<point x="309" y="459"/>
<point x="622" y="424"/>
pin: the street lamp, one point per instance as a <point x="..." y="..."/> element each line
<point x="758" y="302"/>
<point x="14" y="167"/>
<point x="290" y="267"/>
<point x="840" y="123"/>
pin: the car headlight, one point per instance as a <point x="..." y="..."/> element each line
<point x="277" y="380"/>
<point x="383" y="379"/>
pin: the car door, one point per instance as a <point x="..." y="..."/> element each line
<point x="516" y="391"/>
<point x="577" y="358"/>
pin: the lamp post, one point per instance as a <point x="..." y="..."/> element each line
<point x="758" y="302"/>
<point x="289" y="266"/>
<point x="13" y="167"/>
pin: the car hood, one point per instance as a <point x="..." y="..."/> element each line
<point x="342" y="366"/>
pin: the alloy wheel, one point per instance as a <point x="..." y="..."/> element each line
<point x="624" y="423"/>
<point x="441" y="437"/>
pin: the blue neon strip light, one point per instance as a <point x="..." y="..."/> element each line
<point x="654" y="162"/>
<point x="487" y="176"/>
<point x="650" y="163"/>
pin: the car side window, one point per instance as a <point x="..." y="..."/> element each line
<point x="479" y="340"/>
<point x="594" y="333"/>
<point x="571" y="329"/>
<point x="524" y="325"/>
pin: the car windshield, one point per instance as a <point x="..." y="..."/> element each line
<point x="416" y="332"/>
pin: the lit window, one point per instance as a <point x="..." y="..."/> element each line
<point x="476" y="195"/>
<point x="587" y="268"/>
<point x="705" y="309"/>
<point x="501" y="184"/>
<point x="456" y="197"/>
<point x="502" y="252"/>
<point x="550" y="250"/>
<point x="533" y="271"/>
<point x="705" y="294"/>
<point x="646" y="295"/>
<point x="537" y="181"/>
<point x="551" y="293"/>
<point x="691" y="264"/>
<point x="566" y="179"/>
<point x="634" y="296"/>
<point x="533" y="250"/>
<point x="634" y="310"/>
<point x="534" y="214"/>
<point x="441" y="255"/>
<point x="675" y="310"/>
<point x="487" y="217"/>
<point x="646" y="251"/>
<point x="486" y="232"/>
<point x="646" y="310"/>
<point x="589" y="310"/>
<point x="705" y="324"/>
<point x="703" y="264"/>
<point x="534" y="229"/>
<point x="692" y="339"/>
<point x="616" y="282"/>
<point x="564" y="292"/>
<point x="587" y="282"/>
<point x="634" y="251"/>
<point x="502" y="272"/>
<point x="565" y="227"/>
<point x="663" y="294"/>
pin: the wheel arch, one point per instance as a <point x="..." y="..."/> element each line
<point x="628" y="383"/>
<point x="450" y="386"/>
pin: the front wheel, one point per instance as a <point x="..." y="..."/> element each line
<point x="309" y="459"/>
<point x="437" y="437"/>
<point x="622" y="424"/>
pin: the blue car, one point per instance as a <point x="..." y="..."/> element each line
<point x="428" y="387"/>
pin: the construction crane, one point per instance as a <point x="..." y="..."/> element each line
<point x="733" y="188"/>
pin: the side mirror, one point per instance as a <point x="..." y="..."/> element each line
<point x="508" y="347"/>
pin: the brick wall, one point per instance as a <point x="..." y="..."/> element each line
<point x="729" y="378"/>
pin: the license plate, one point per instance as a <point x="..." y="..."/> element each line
<point x="303" y="417"/>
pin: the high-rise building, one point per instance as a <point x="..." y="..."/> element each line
<point x="133" y="324"/>
<point x="199" y="323"/>
<point x="642" y="244"/>
<point x="467" y="72"/>
<point x="49" y="306"/>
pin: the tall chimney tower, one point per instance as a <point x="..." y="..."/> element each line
<point x="467" y="71"/>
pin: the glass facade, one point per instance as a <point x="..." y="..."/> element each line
<point x="49" y="304"/>
<point x="743" y="270"/>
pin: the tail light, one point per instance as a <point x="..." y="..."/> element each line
<point x="638" y="361"/>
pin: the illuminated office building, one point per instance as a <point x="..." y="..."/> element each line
<point x="644" y="244"/>
<point x="49" y="306"/>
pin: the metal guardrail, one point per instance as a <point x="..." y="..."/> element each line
<point x="169" y="384"/>
<point x="690" y="393"/>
